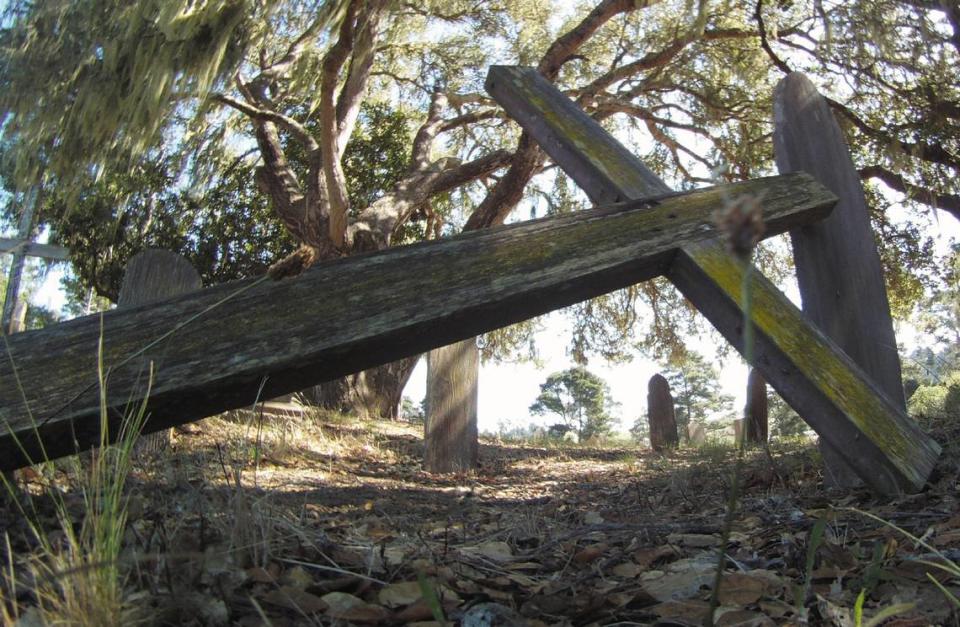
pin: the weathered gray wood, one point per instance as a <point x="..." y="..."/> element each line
<point x="450" y="429"/>
<point x="12" y="293"/>
<point x="18" y="321"/>
<point x="838" y="266"/>
<point x="150" y="276"/>
<point x="756" y="413"/>
<point x="33" y="249"/>
<point x="660" y="414"/>
<point x="885" y="447"/>
<point x="350" y="314"/>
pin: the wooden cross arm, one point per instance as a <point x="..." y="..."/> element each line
<point x="33" y="249"/>
<point x="347" y="315"/>
<point x="881" y="443"/>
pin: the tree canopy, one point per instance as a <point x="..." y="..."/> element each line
<point x="579" y="398"/>
<point x="240" y="131"/>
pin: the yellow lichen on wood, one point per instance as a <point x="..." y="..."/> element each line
<point x="777" y="318"/>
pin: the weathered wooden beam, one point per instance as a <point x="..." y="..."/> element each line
<point x="33" y="249"/>
<point x="850" y="307"/>
<point x="235" y="341"/>
<point x="886" y="449"/>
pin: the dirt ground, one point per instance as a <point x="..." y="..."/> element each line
<point x="317" y="521"/>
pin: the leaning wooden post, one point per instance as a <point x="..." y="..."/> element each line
<point x="660" y="413"/>
<point x="153" y="275"/>
<point x="450" y="429"/>
<point x="838" y="266"/>
<point x="887" y="449"/>
<point x="756" y="413"/>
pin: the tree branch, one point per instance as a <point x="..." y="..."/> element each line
<point x="508" y="191"/>
<point x="947" y="202"/>
<point x="566" y="45"/>
<point x="296" y="130"/>
<point x="777" y="61"/>
<point x="332" y="170"/>
<point x="361" y="62"/>
<point x="932" y="153"/>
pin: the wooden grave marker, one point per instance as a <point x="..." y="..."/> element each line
<point x="450" y="428"/>
<point x="756" y="413"/>
<point x="839" y="400"/>
<point x="838" y="267"/>
<point x="153" y="275"/>
<point x="661" y="414"/>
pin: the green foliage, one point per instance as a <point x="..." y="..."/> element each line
<point x="640" y="430"/>
<point x="98" y="80"/>
<point x="410" y="411"/>
<point x="377" y="153"/>
<point x="784" y="422"/>
<point x="937" y="402"/>
<point x="580" y="398"/>
<point x="226" y="231"/>
<point x="91" y="88"/>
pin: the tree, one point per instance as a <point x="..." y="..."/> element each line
<point x="196" y="85"/>
<point x="580" y="398"/>
<point x="696" y="391"/>
<point x="784" y="422"/>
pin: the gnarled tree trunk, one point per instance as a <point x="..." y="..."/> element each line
<point x="371" y="394"/>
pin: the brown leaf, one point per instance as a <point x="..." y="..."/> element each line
<point x="647" y="557"/>
<point x="494" y="550"/>
<point x="348" y="607"/>
<point x="295" y="599"/>
<point x="257" y="574"/>
<point x="697" y="540"/>
<point x="626" y="570"/>
<point x="590" y="553"/>
<point x="689" y="610"/>
<point x="743" y="618"/>
<point x="740" y="589"/>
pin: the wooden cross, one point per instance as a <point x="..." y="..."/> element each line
<point x="227" y="346"/>
<point x="224" y="347"/>
<point x="882" y="445"/>
<point x="21" y="248"/>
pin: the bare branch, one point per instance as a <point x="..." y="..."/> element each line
<point x="567" y="44"/>
<point x="932" y="153"/>
<point x="296" y="130"/>
<point x="332" y="170"/>
<point x="364" y="48"/>
<point x="777" y="61"/>
<point x="947" y="202"/>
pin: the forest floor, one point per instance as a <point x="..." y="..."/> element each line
<point x="319" y="521"/>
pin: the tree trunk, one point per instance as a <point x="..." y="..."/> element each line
<point x="660" y="413"/>
<point x="756" y="413"/>
<point x="372" y="394"/>
<point x="450" y="431"/>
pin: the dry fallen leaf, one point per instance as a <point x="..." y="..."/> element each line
<point x="740" y="589"/>
<point x="590" y="553"/>
<point x="348" y="607"/>
<point x="295" y="599"/>
<point x="494" y="550"/>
